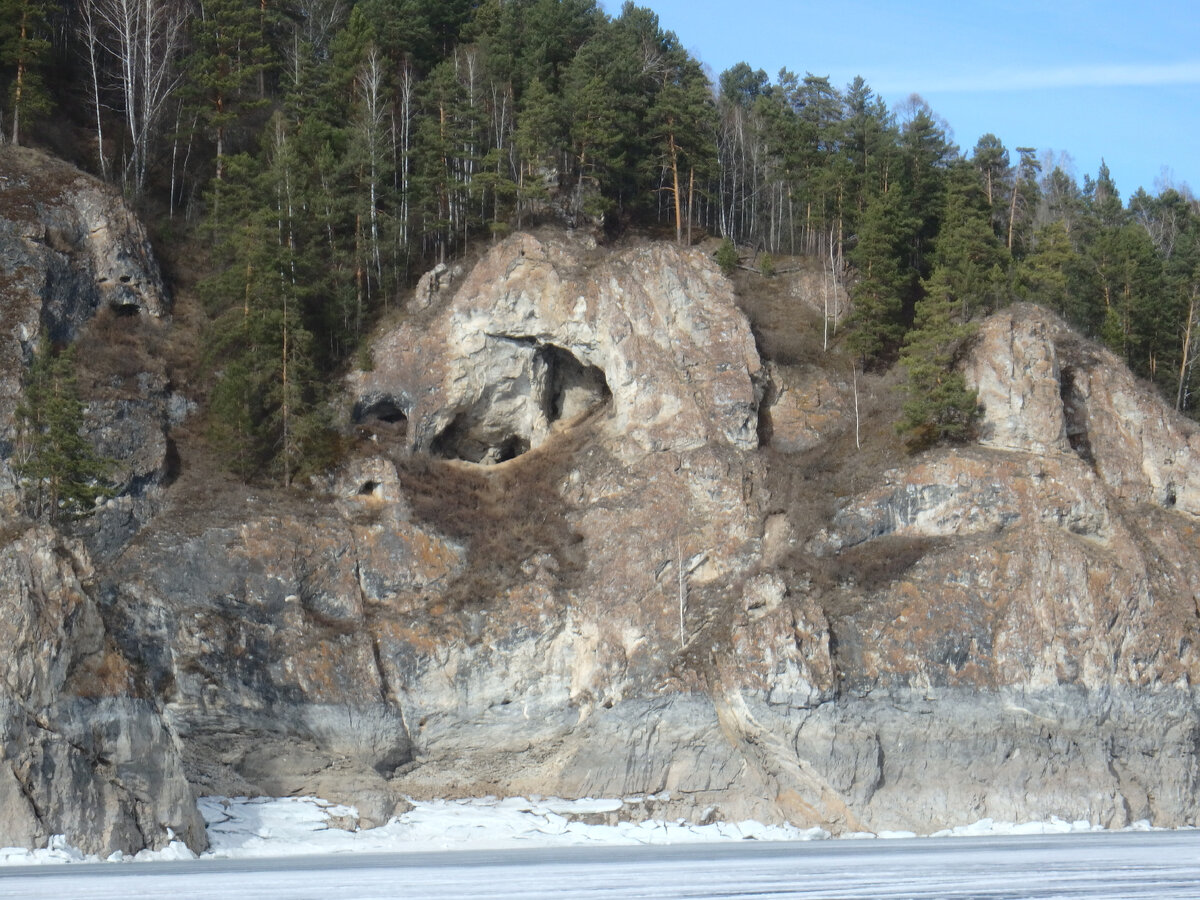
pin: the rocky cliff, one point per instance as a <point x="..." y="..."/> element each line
<point x="588" y="542"/>
<point x="86" y="750"/>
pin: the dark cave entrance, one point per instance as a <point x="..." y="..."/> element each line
<point x="379" y="418"/>
<point x="554" y="385"/>
<point x="472" y="441"/>
<point x="572" y="388"/>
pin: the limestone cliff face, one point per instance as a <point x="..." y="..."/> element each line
<point x="86" y="750"/>
<point x="588" y="542"/>
<point x="538" y="333"/>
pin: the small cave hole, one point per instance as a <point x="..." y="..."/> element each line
<point x="368" y="489"/>
<point x="1169" y="497"/>
<point x="510" y="448"/>
<point x="172" y="463"/>
<point x="125" y="310"/>
<point x="125" y="279"/>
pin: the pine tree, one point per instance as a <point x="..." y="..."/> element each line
<point x="603" y="92"/>
<point x="24" y="51"/>
<point x="537" y="139"/>
<point x="59" y="469"/>
<point x="229" y="54"/>
<point x="266" y="394"/>
<point x="680" y="121"/>
<point x="938" y="406"/>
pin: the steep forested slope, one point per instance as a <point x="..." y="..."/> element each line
<point x="305" y="161"/>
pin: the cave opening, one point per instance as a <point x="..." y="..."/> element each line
<point x="572" y="387"/>
<point x="551" y="385"/>
<point x="125" y="310"/>
<point x="379" y="418"/>
<point x="380" y="409"/>
<point x="475" y="440"/>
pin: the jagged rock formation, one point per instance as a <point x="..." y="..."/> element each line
<point x="86" y="751"/>
<point x="588" y="543"/>
<point x="1046" y="391"/>
<point x="538" y="335"/>
<point x="73" y="255"/>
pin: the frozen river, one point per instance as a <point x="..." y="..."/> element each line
<point x="1080" y="866"/>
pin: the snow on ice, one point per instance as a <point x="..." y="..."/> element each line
<point x="241" y="827"/>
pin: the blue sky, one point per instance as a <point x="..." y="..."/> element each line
<point x="1118" y="80"/>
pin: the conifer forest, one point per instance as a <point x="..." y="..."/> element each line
<point x="313" y="157"/>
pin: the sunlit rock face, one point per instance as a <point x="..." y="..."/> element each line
<point x="88" y="753"/>
<point x="1045" y="390"/>
<point x="541" y="332"/>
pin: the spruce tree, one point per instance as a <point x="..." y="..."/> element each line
<point x="1045" y="276"/>
<point x="968" y="276"/>
<point x="969" y="262"/>
<point x="938" y="404"/>
<point x="59" y="469"/>
<point x="876" y="323"/>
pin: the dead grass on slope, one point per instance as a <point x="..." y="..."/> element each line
<point x="512" y="516"/>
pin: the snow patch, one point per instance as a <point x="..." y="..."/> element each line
<point x="242" y="827"/>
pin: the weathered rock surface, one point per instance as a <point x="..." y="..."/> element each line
<point x="538" y="333"/>
<point x="805" y="408"/>
<point x="75" y="262"/>
<point x="86" y="751"/>
<point x="1045" y="390"/>
<point x="84" y="754"/>
<point x="557" y="561"/>
<point x="68" y="247"/>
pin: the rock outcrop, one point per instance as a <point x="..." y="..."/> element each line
<point x="68" y="248"/>
<point x="1046" y="391"/>
<point x="85" y="753"/>
<point x="588" y="543"/>
<point x="86" y="750"/>
<point x="538" y="334"/>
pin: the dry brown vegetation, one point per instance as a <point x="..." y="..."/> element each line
<point x="509" y="516"/>
<point x="810" y="486"/>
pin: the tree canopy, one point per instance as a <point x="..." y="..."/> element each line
<point x="327" y="152"/>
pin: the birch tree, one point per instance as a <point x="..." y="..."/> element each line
<point x="139" y="43"/>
